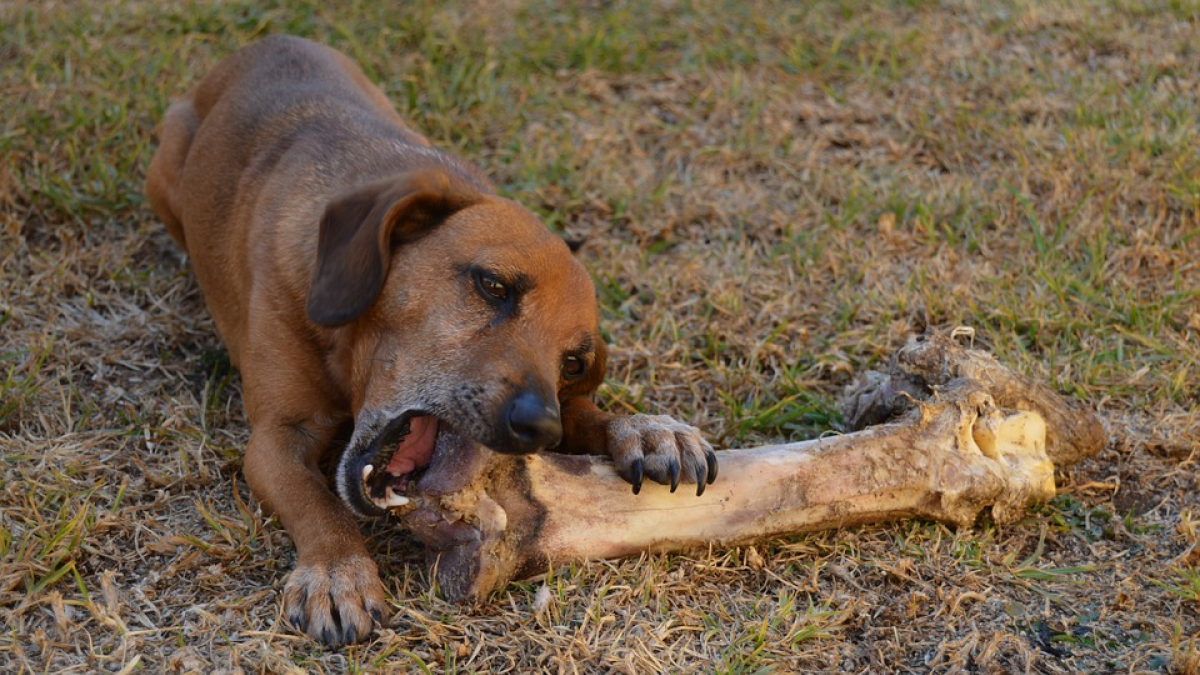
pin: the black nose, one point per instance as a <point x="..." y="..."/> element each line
<point x="532" y="423"/>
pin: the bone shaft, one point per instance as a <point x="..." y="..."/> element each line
<point x="489" y="520"/>
<point x="882" y="474"/>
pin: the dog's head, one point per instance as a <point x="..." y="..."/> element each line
<point x="462" y="320"/>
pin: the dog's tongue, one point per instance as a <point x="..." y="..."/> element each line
<point x="416" y="449"/>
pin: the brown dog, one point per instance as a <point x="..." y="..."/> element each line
<point x="356" y="273"/>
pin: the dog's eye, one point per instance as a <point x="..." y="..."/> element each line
<point x="491" y="286"/>
<point x="573" y="366"/>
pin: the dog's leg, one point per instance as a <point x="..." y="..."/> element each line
<point x="641" y="446"/>
<point x="162" y="178"/>
<point x="335" y="591"/>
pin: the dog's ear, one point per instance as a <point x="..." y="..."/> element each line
<point x="360" y="229"/>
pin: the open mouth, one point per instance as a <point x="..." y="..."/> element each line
<point x="377" y="478"/>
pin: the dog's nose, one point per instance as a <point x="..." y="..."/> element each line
<point x="532" y="424"/>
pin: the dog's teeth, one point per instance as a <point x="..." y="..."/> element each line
<point x="392" y="499"/>
<point x="367" y="471"/>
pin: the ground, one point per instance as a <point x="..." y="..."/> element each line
<point x="774" y="196"/>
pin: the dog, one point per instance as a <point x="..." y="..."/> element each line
<point x="358" y="275"/>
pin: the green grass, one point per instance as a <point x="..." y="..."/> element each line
<point x="1185" y="583"/>
<point x="775" y="196"/>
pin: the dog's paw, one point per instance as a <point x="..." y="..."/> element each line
<point x="336" y="603"/>
<point x="661" y="449"/>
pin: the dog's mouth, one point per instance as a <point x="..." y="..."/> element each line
<point x="399" y="458"/>
<point x="377" y="479"/>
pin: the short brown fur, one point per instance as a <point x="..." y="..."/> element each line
<point x="334" y="246"/>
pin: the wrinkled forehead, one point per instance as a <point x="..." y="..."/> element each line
<point x="502" y="237"/>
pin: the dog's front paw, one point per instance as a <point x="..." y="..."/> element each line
<point x="661" y="449"/>
<point x="335" y="603"/>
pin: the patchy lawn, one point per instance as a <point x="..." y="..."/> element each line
<point x="774" y="195"/>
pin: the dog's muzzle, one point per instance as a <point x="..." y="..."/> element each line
<point x="388" y="455"/>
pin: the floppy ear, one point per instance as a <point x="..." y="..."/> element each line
<point x="360" y="229"/>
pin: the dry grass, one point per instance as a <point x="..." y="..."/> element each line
<point x="774" y="194"/>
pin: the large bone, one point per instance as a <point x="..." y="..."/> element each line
<point x="487" y="518"/>
<point x="925" y="365"/>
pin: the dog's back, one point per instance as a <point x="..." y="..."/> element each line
<point x="252" y="143"/>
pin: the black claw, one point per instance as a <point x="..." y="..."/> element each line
<point x="329" y="637"/>
<point x="699" y="472"/>
<point x="298" y="617"/>
<point x="712" y="465"/>
<point x="351" y="635"/>
<point x="377" y="616"/>
<point x="673" y="467"/>
<point x="637" y="476"/>
<point x="339" y="631"/>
